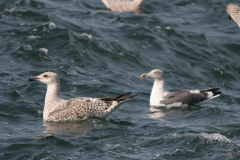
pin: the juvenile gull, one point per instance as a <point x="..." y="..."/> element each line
<point x="124" y="5"/>
<point x="160" y="97"/>
<point x="234" y="13"/>
<point x="58" y="109"/>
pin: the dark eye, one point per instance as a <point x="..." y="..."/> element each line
<point x="45" y="75"/>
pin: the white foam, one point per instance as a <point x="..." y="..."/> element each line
<point x="86" y="35"/>
<point x="11" y="10"/>
<point x="27" y="47"/>
<point x="168" y="28"/>
<point x="211" y="136"/>
<point x="51" y="25"/>
<point x="33" y="37"/>
<point x="43" y="50"/>
<point x="215" y="136"/>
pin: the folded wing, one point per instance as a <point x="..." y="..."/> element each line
<point x="189" y="97"/>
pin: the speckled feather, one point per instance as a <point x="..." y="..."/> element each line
<point x="82" y="108"/>
<point x="125" y="5"/>
<point x="59" y="109"/>
<point x="234" y="12"/>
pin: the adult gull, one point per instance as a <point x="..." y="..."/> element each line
<point x="233" y="12"/>
<point x="58" y="109"/>
<point x="124" y="5"/>
<point x="160" y="97"/>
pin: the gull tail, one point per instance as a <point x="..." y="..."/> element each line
<point x="119" y="98"/>
<point x="211" y="93"/>
<point x="215" y="91"/>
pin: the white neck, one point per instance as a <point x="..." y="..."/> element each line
<point x="157" y="92"/>
<point x="52" y="97"/>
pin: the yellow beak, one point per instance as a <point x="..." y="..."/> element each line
<point x="144" y="75"/>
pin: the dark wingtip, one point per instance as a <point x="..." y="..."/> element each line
<point x="229" y="17"/>
<point x="118" y="98"/>
<point x="217" y="93"/>
<point x="126" y="98"/>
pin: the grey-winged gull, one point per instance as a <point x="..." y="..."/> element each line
<point x="124" y="5"/>
<point x="58" y="109"/>
<point x="233" y="12"/>
<point x="160" y="97"/>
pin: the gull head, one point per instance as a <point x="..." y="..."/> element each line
<point x="155" y="74"/>
<point x="47" y="78"/>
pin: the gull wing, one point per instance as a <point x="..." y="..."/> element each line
<point x="189" y="97"/>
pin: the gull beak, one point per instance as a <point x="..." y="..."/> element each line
<point x="144" y="75"/>
<point x="33" y="79"/>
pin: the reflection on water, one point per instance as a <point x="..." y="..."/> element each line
<point x="161" y="112"/>
<point x="57" y="128"/>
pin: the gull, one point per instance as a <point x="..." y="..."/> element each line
<point x="58" y="109"/>
<point x="233" y="12"/>
<point x="160" y="97"/>
<point x="124" y="5"/>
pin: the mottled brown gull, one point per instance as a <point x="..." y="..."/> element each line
<point x="160" y="97"/>
<point x="58" y="109"/>
<point x="234" y="13"/>
<point x="124" y="5"/>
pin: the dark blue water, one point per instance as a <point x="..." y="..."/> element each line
<point x="99" y="53"/>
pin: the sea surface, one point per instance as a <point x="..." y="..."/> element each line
<point x="100" y="53"/>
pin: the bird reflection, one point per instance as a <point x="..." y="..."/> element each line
<point x="159" y="113"/>
<point x="162" y="112"/>
<point x="56" y="128"/>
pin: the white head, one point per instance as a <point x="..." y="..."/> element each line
<point x="47" y="78"/>
<point x="155" y="74"/>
